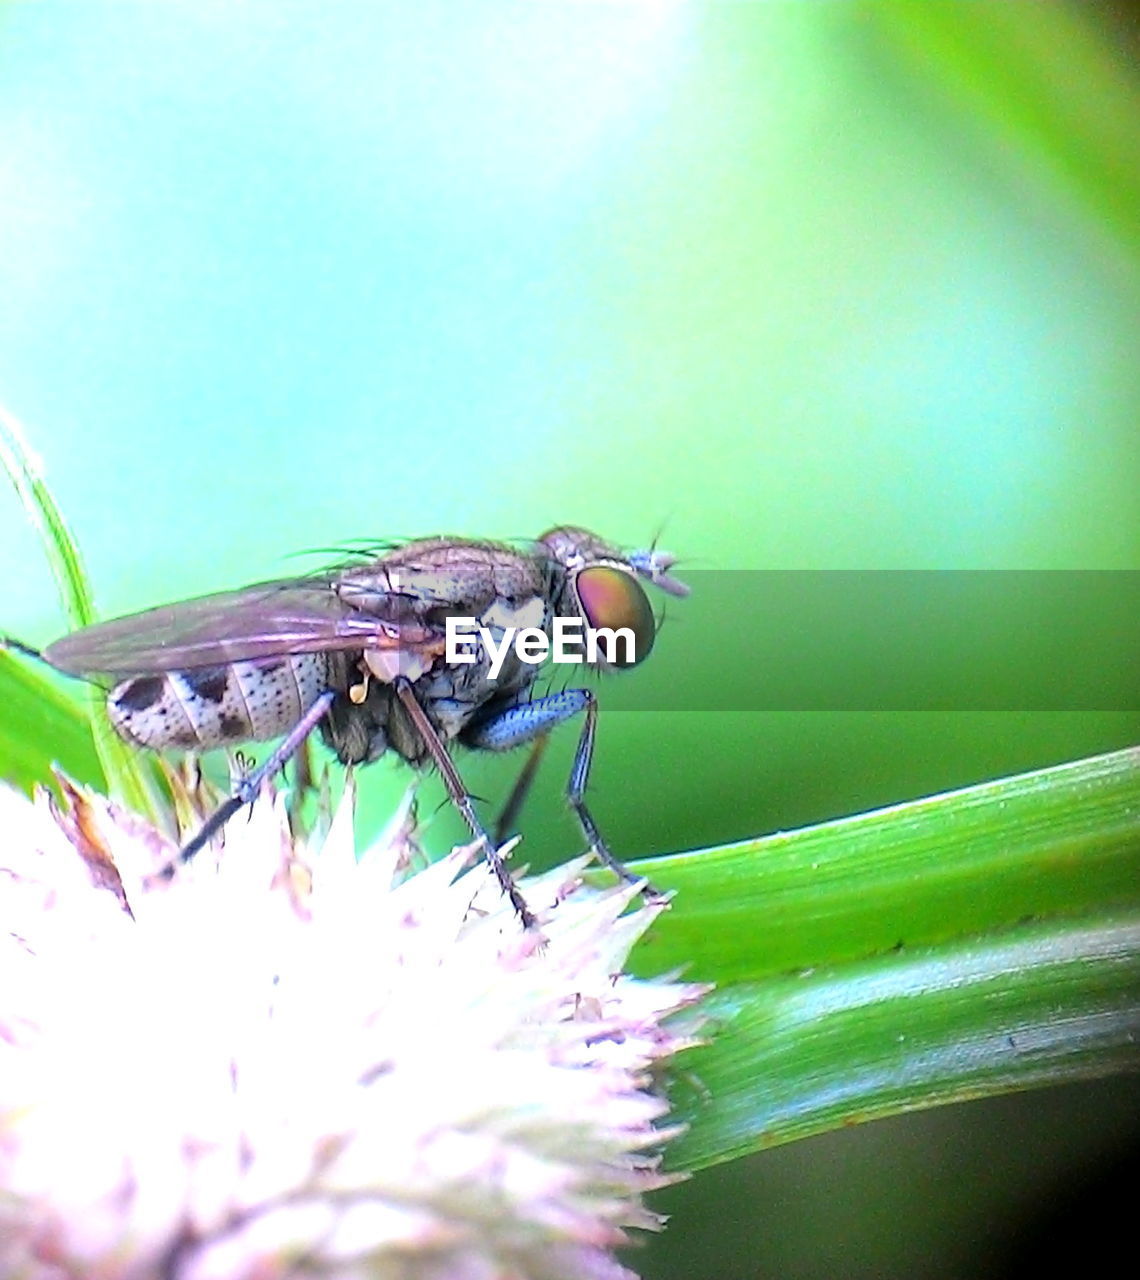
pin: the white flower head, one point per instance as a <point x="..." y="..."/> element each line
<point x="285" y="1062"/>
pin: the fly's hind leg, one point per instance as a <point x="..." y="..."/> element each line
<point x="304" y="784"/>
<point x="509" y="813"/>
<point x="532" y="722"/>
<point x="245" y="792"/>
<point x="18" y="646"/>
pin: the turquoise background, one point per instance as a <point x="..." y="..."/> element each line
<point x="278" y="276"/>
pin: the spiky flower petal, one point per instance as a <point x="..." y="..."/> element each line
<point x="280" y="1064"/>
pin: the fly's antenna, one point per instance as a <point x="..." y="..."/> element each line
<point x="658" y="532"/>
<point x="655" y="566"/>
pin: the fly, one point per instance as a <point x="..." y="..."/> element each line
<point x="360" y="654"/>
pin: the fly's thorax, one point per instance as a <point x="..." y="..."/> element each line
<point x="452" y="694"/>
<point x="369" y="718"/>
<point x="489" y="677"/>
<point x="425" y="581"/>
<point x="206" y="707"/>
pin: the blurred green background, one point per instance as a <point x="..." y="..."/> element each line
<point x="803" y="285"/>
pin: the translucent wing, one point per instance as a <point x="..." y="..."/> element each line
<point x="264" y="621"/>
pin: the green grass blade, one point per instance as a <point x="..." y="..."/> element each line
<point x="30" y="739"/>
<point x="25" y="472"/>
<point x="1063" y="840"/>
<point x="963" y="945"/>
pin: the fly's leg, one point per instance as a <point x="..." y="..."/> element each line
<point x="462" y="798"/>
<point x="510" y="811"/>
<point x="303" y="784"/>
<point x="530" y="720"/>
<point x="18" y="646"/>
<point x="248" y="787"/>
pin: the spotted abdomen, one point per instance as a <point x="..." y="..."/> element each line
<point x="206" y="707"/>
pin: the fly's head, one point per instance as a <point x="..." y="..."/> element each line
<point x="601" y="584"/>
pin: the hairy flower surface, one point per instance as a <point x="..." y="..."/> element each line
<point x="285" y="1062"/>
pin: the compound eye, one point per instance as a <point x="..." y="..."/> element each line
<point x="613" y="598"/>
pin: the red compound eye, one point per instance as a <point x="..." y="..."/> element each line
<point x="612" y="598"/>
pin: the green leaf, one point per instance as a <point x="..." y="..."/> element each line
<point x="959" y="946"/>
<point x="39" y="728"/>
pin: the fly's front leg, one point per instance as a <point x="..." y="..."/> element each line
<point x="462" y="798"/>
<point x="534" y="720"/>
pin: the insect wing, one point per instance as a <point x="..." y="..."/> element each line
<point x="264" y="621"/>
